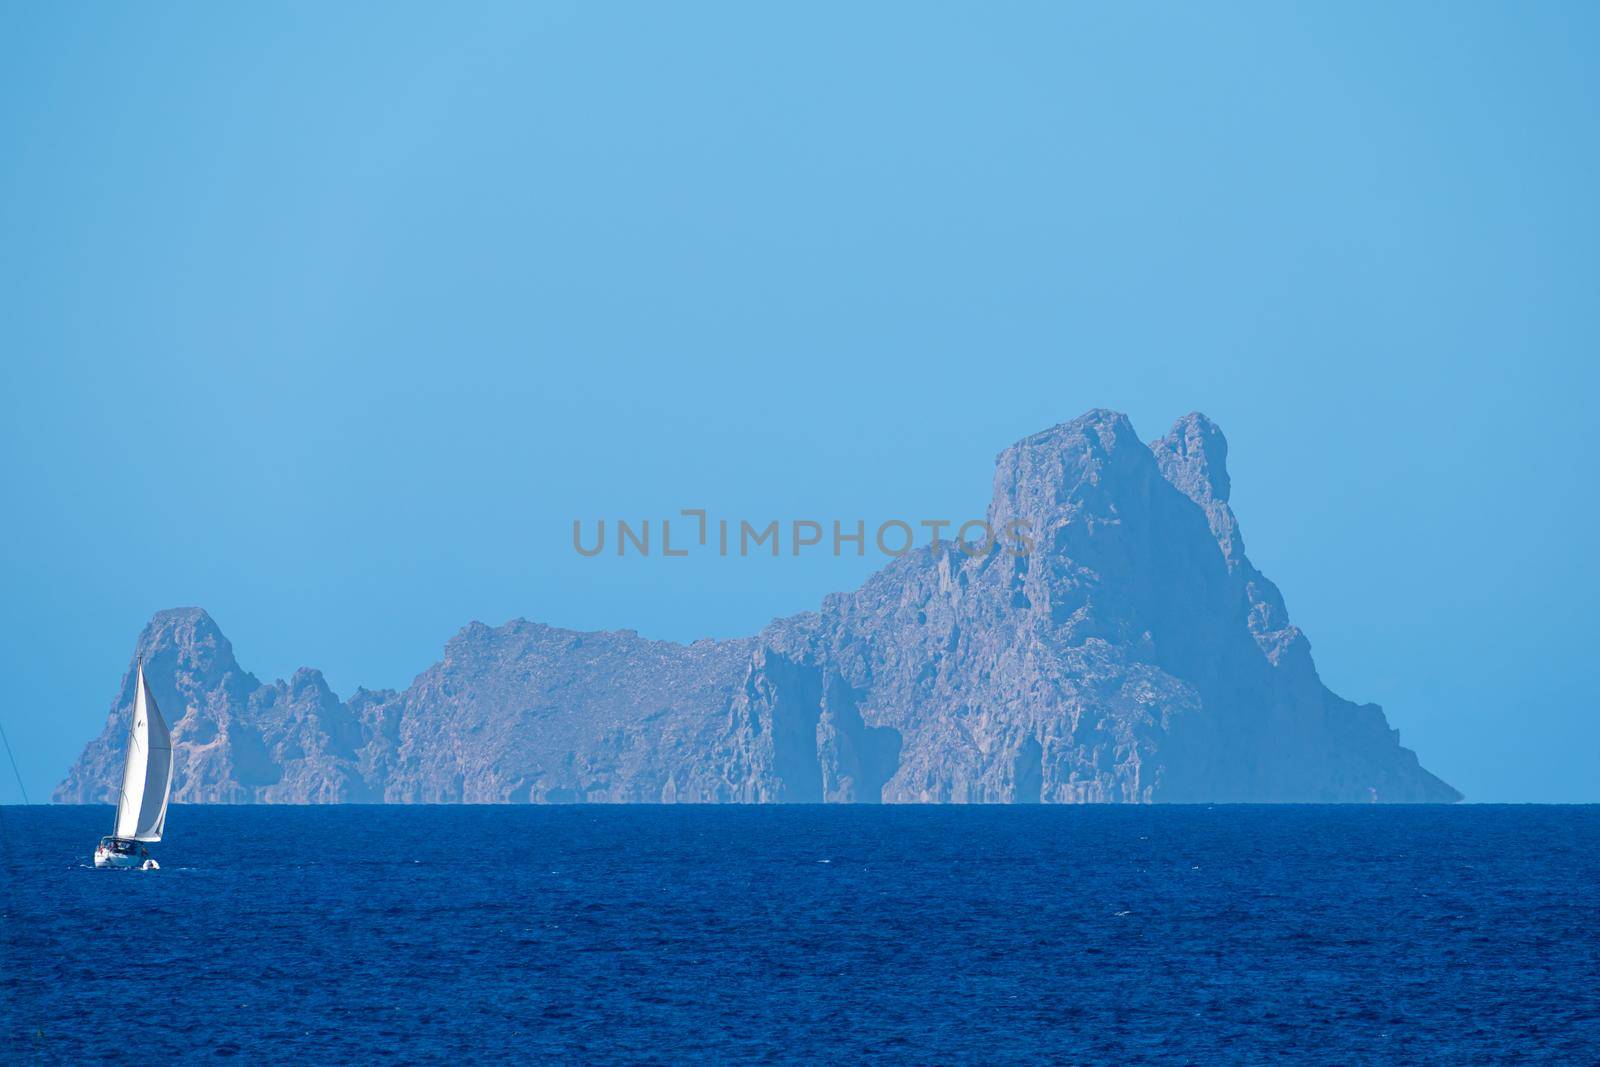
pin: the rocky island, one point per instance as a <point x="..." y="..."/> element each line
<point x="1135" y="655"/>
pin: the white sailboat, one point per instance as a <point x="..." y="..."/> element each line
<point x="146" y="785"/>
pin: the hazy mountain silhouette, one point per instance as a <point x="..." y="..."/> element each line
<point x="1134" y="655"/>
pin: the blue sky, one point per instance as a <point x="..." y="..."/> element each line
<point x="331" y="318"/>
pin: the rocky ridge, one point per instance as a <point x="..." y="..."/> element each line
<point x="1135" y="655"/>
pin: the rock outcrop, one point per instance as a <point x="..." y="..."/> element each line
<point x="1133" y="655"/>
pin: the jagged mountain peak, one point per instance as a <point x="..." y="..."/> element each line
<point x="1103" y="423"/>
<point x="183" y="644"/>
<point x="309" y="680"/>
<point x="1078" y="447"/>
<point x="182" y="628"/>
<point x="1194" y="457"/>
<point x="1077" y="466"/>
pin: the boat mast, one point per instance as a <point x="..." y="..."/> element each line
<point x="127" y="752"/>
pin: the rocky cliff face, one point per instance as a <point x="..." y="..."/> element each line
<point x="1134" y="655"/>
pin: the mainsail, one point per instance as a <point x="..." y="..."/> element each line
<point x="147" y="775"/>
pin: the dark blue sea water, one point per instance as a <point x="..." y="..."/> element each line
<point x="592" y="934"/>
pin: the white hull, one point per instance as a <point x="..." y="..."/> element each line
<point x="109" y="859"/>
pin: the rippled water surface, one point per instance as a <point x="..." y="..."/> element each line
<point x="589" y="934"/>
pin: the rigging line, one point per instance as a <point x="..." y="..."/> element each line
<point x="11" y="929"/>
<point x="20" y="787"/>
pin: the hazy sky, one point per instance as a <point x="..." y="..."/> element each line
<point x="332" y="318"/>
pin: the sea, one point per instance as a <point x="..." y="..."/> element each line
<point x="925" y="935"/>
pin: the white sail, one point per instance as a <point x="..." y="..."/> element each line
<point x="147" y="774"/>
